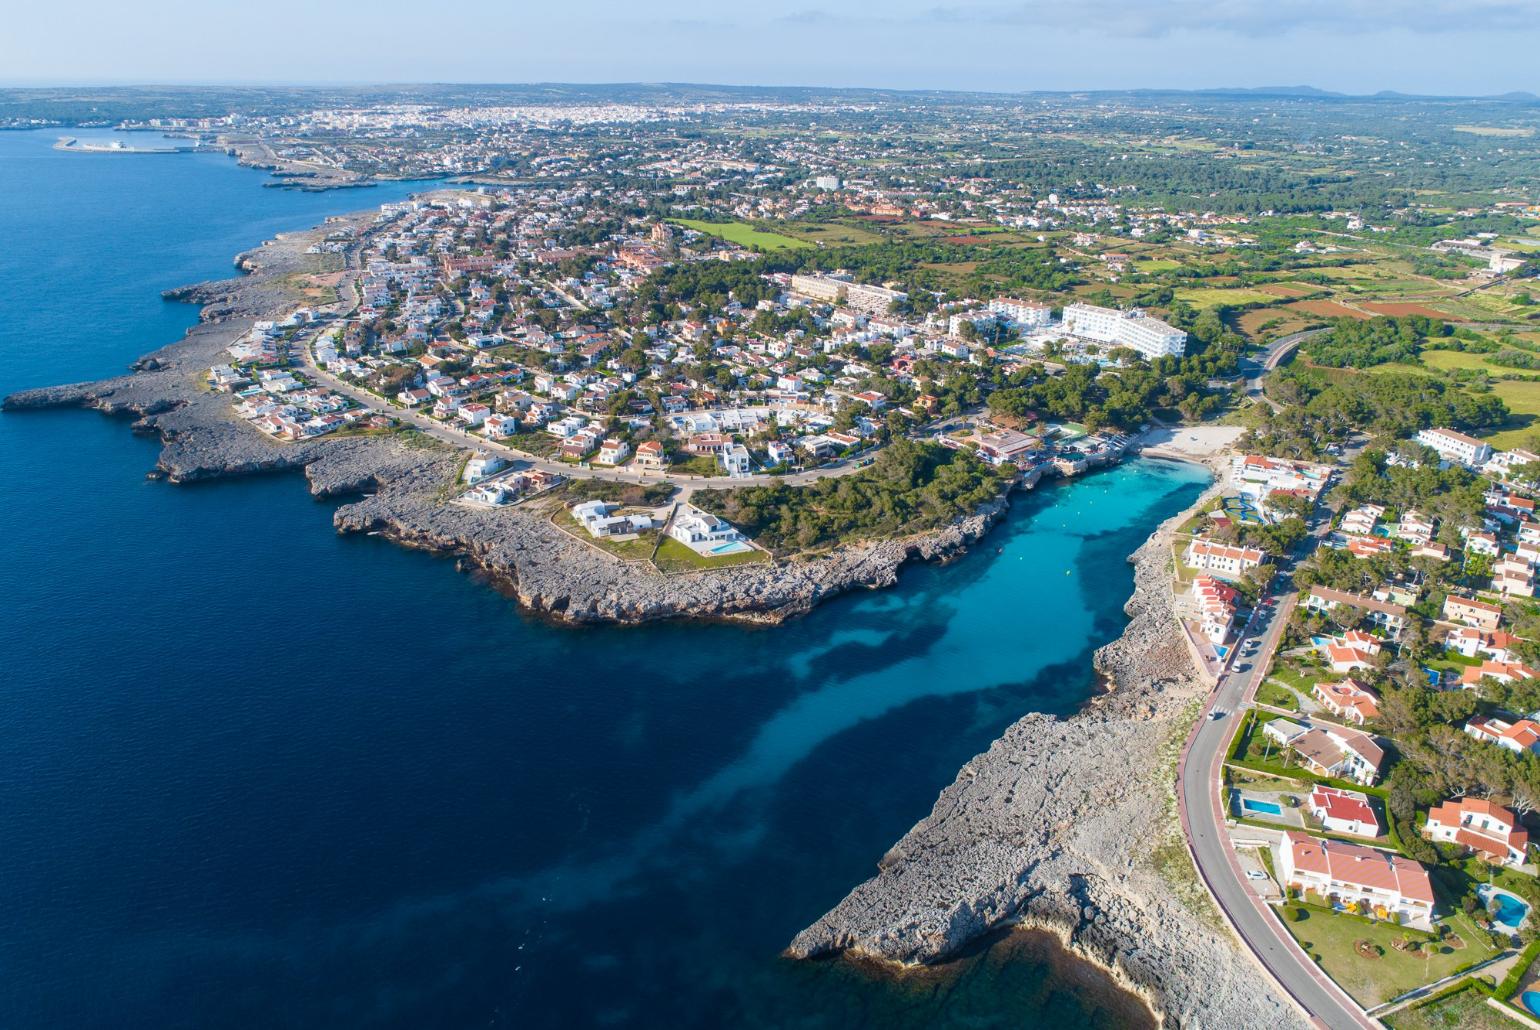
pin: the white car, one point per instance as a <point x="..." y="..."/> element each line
<point x="1255" y="874"/>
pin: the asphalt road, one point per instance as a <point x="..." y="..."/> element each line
<point x="1254" y="371"/>
<point x="1203" y="820"/>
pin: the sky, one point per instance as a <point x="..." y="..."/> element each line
<point x="1356" y="46"/>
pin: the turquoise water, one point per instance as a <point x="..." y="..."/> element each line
<point x="1270" y="807"/>
<point x="256" y="774"/>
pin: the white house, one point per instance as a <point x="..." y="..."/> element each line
<point x="613" y="452"/>
<point x="483" y="465"/>
<point x="498" y="427"/>
<point x="693" y="526"/>
<point x="599" y="518"/>
<point x="1344" y="811"/>
<point x="1490" y="830"/>
<point x="735" y="460"/>
<point x="1517" y="737"/>
<point x="1330" y="750"/>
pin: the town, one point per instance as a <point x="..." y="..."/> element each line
<point x="712" y="344"/>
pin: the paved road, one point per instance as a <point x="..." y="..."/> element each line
<point x="1201" y="807"/>
<point x="1276" y="352"/>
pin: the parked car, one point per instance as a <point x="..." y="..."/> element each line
<point x="1255" y="874"/>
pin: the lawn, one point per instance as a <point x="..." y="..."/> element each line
<point x="1156" y="264"/>
<point x="1523" y="400"/>
<point x="1331" y="938"/>
<point x="699" y="465"/>
<point x="1271" y="693"/>
<point x="673" y="556"/>
<point x="639" y="549"/>
<point x="743" y="234"/>
<point x="1465" y="1009"/>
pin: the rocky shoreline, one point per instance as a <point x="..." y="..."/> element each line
<point x="395" y="486"/>
<point x="1069" y="825"/>
<point x="1046" y="829"/>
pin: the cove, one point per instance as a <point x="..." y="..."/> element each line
<point x="257" y="774"/>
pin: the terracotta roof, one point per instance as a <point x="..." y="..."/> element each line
<point x="1340" y="804"/>
<point x="1354" y="865"/>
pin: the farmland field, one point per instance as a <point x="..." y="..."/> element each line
<point x="1325" y="309"/>
<point x="1448" y="359"/>
<point x="834" y="234"/>
<point x="1289" y="290"/>
<point x="743" y="234"/>
<point x="1381" y="308"/>
<point x="1206" y="297"/>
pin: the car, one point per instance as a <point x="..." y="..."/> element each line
<point x="1255" y="874"/>
<point x="1217" y="713"/>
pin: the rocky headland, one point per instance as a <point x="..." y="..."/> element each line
<point x="1069" y="825"/>
<point x="396" y="484"/>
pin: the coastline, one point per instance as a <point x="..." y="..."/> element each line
<point x="1067" y="826"/>
<point x="393" y="487"/>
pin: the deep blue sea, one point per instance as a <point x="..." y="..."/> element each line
<point x="254" y="774"/>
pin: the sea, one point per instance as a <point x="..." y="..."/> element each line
<point x="255" y="774"/>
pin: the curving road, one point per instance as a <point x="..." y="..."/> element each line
<point x="1277" y="350"/>
<point x="1201" y="807"/>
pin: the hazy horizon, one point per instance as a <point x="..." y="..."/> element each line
<point x="1431" y="47"/>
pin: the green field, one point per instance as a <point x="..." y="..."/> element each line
<point x="1156" y="265"/>
<point x="1523" y="400"/>
<point x="1209" y="297"/>
<point x="743" y="234"/>
<point x="1447" y="359"/>
<point x="833" y="234"/>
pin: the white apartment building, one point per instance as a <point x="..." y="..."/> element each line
<point x="873" y="300"/>
<point x="1024" y="314"/>
<point x="1132" y="328"/>
<point x="1456" y="447"/>
<point x="1223" y="560"/>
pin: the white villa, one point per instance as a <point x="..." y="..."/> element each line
<point x="1376" y="883"/>
<point x="597" y="517"/>
<point x="1490" y="830"/>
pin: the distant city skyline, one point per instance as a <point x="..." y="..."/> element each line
<point x="1447" y="47"/>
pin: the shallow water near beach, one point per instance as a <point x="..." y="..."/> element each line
<point x="256" y="774"/>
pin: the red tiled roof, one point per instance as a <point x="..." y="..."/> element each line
<point x="1356" y="866"/>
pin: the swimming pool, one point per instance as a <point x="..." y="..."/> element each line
<point x="733" y="547"/>
<point x="1253" y="805"/>
<point x="1510" y="910"/>
<point x="1532" y="1002"/>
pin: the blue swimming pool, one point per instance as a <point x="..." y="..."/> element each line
<point x="1532" y="1002"/>
<point x="1510" y="911"/>
<point x="1253" y="805"/>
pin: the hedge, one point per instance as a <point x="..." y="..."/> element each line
<point x="1510" y="984"/>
